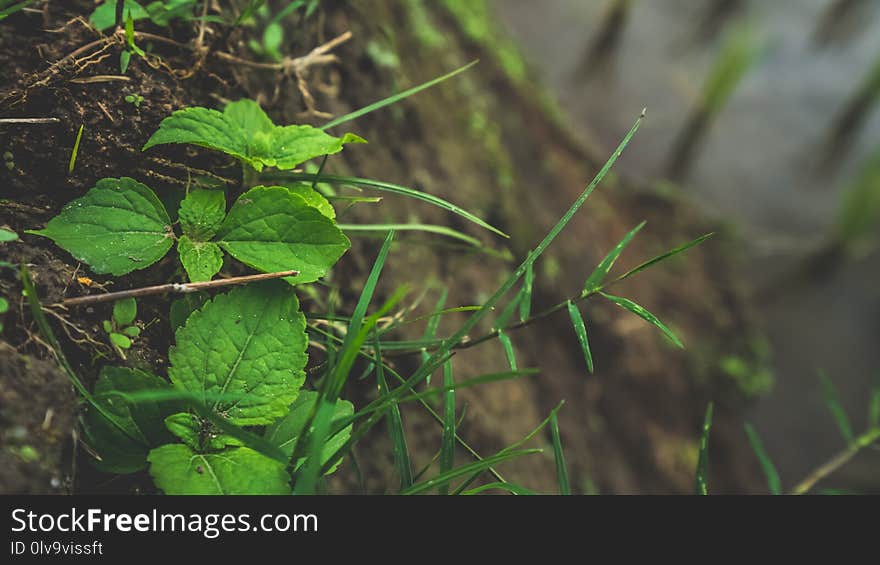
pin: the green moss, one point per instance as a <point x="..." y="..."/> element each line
<point x="422" y="26"/>
<point x="478" y="24"/>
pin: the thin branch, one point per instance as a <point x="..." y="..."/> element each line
<point x="180" y="288"/>
<point x="29" y="121"/>
<point x="837" y="461"/>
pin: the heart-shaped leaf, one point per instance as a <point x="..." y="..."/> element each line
<point x="177" y="469"/>
<point x="119" y="226"/>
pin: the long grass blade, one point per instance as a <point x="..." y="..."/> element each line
<point x="639" y="311"/>
<point x="525" y="303"/>
<point x="475" y="467"/>
<point x="559" y="456"/>
<point x="429" y="228"/>
<point x="832" y="400"/>
<point x="702" y="482"/>
<point x="509" y="487"/>
<point x="396" y="431"/>
<point x="447" y="443"/>
<point x="671" y="253"/>
<point x="387" y="187"/>
<point x="580" y="329"/>
<point x="395" y="98"/>
<point x="773" y="481"/>
<point x="597" y="277"/>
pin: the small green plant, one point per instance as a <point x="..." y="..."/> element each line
<point x="121" y="328"/>
<point x="244" y="131"/>
<point x="4" y="307"/>
<point x="241" y="359"/>
<point x="160" y="13"/>
<point x="131" y="47"/>
<point x="120" y="226"/>
<point x="134" y="99"/>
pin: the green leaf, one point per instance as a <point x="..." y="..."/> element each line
<point x="119" y="226"/>
<point x="507" y="344"/>
<point x="559" y="457"/>
<point x="119" y="340"/>
<point x="285" y="433"/>
<point x="832" y="400"/>
<point x="197" y="433"/>
<point x="132" y="331"/>
<point x="7" y="235"/>
<point x="271" y="229"/>
<point x="627" y="304"/>
<point x="124" y="311"/>
<point x="702" y="482"/>
<point x="251" y="342"/>
<point x="108" y="327"/>
<point x="183" y="307"/>
<point x="4" y="305"/>
<point x="244" y="131"/>
<point x="177" y="469"/>
<point x="201" y="213"/>
<point x="104" y="16"/>
<point x="201" y="259"/>
<point x="597" y="277"/>
<point x="123" y="447"/>
<point x="580" y="329"/>
<point x="773" y="481"/>
<point x="124" y="60"/>
<point x="313" y="198"/>
<point x="667" y="255"/>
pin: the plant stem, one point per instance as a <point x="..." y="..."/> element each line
<point x="837" y="461"/>
<point x="180" y="288"/>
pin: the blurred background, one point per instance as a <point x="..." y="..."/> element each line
<point x="763" y="114"/>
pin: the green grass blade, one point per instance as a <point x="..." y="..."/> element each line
<point x="773" y="481"/>
<point x="430" y="228"/>
<point x="509" y="487"/>
<point x="832" y="400"/>
<point x="395" y="98"/>
<point x="597" y="277"/>
<point x="396" y="431"/>
<point x="388" y="187"/>
<point x="525" y="303"/>
<point x="508" y="349"/>
<point x="72" y="163"/>
<point x="321" y="417"/>
<point x="508" y="312"/>
<point x="580" y="329"/>
<point x="475" y="467"/>
<point x="702" y="483"/>
<point x="671" y="253"/>
<point x="513" y="446"/>
<point x="874" y="408"/>
<point x="440" y="355"/>
<point x="447" y="444"/>
<point x="558" y="455"/>
<point x="6" y="12"/>
<point x="49" y="336"/>
<point x="432" y="325"/>
<point x="627" y="304"/>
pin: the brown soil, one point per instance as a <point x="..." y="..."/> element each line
<point x="485" y="142"/>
